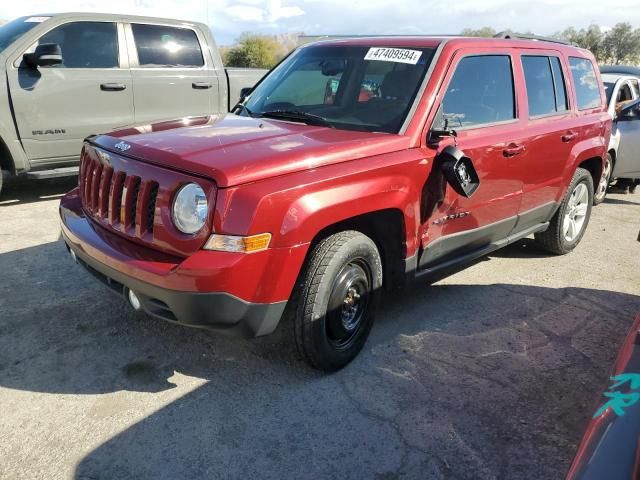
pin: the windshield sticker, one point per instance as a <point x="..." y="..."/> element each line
<point x="36" y="19"/>
<point x="618" y="401"/>
<point x="398" y="55"/>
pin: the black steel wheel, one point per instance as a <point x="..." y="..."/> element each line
<point x="337" y="295"/>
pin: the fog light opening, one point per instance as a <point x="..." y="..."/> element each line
<point x="134" y="300"/>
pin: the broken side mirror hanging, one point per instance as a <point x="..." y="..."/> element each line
<point x="459" y="171"/>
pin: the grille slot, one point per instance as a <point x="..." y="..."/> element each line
<point x="151" y="207"/>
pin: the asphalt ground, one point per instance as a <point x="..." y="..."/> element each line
<point x="489" y="373"/>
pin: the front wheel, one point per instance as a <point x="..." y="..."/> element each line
<point x="601" y="190"/>
<point x="339" y="292"/>
<point x="570" y="221"/>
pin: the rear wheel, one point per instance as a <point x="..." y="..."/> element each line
<point x="570" y="221"/>
<point x="601" y="190"/>
<point x="339" y="291"/>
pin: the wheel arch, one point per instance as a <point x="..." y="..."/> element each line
<point x="387" y="229"/>
<point x="6" y="158"/>
<point x="594" y="166"/>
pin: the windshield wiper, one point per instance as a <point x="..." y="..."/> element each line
<point x="298" y="115"/>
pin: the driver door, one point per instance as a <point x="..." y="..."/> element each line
<point x="90" y="92"/>
<point x="478" y="100"/>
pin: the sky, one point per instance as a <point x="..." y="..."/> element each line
<point x="228" y="18"/>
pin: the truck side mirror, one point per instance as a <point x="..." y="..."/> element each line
<point x="244" y="93"/>
<point x="45" y="55"/>
<point x="459" y="171"/>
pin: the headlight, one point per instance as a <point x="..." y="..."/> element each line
<point x="190" y="208"/>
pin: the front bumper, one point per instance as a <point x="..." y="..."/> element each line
<point x="184" y="290"/>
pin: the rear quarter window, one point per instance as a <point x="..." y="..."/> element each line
<point x="586" y="83"/>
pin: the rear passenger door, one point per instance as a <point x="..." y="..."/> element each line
<point x="170" y="72"/>
<point x="551" y="133"/>
<point x="479" y="101"/>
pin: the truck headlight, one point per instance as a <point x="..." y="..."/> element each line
<point x="190" y="208"/>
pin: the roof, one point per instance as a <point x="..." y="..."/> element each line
<point x="114" y="17"/>
<point x="434" y="41"/>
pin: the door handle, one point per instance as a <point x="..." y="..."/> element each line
<point x="569" y="136"/>
<point x="513" y="149"/>
<point x="200" y="85"/>
<point x="112" y="87"/>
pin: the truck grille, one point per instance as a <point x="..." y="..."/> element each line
<point x="133" y="198"/>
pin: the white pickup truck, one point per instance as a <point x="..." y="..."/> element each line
<point x="71" y="75"/>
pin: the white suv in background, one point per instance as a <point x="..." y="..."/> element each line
<point x="622" y="86"/>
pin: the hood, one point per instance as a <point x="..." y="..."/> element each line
<point x="233" y="150"/>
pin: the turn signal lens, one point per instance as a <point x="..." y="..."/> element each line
<point x="232" y="243"/>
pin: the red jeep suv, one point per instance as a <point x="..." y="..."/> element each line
<point x="312" y="197"/>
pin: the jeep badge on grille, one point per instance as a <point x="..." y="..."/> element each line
<point x="122" y="146"/>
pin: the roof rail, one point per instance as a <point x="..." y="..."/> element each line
<point x="524" y="36"/>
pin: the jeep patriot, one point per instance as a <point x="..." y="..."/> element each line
<point x="352" y="166"/>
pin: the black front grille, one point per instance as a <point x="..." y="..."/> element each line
<point x="123" y="201"/>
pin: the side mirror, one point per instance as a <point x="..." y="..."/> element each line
<point x="459" y="171"/>
<point x="630" y="111"/>
<point x="244" y="93"/>
<point x="45" y="55"/>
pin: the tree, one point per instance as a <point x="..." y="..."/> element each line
<point x="621" y="44"/>
<point x="481" y="32"/>
<point x="590" y="38"/>
<point x="252" y="50"/>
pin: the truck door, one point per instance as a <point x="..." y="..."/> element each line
<point x="478" y="101"/>
<point x="172" y="77"/>
<point x="90" y="92"/>
<point x="627" y="123"/>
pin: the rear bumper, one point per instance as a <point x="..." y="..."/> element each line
<point x="191" y="291"/>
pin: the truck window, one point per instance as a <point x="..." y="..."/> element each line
<point x="12" y="31"/>
<point x="161" y="46"/>
<point x="85" y="44"/>
<point x="586" y="83"/>
<point x="545" y="85"/>
<point x="480" y="92"/>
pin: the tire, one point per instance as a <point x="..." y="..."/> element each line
<point x="337" y="294"/>
<point x="575" y="209"/>
<point x="605" y="179"/>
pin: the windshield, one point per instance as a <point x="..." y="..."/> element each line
<point x="12" y="31"/>
<point x="346" y="87"/>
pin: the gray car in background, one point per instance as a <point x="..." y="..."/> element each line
<point x="71" y="75"/>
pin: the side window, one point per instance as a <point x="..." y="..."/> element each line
<point x="480" y="92"/>
<point x="584" y="79"/>
<point x="559" y="84"/>
<point x="545" y="85"/>
<point x="541" y="95"/>
<point x="85" y="44"/>
<point x="160" y="46"/>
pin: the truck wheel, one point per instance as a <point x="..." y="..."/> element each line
<point x="605" y="179"/>
<point x="339" y="292"/>
<point x="570" y="221"/>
